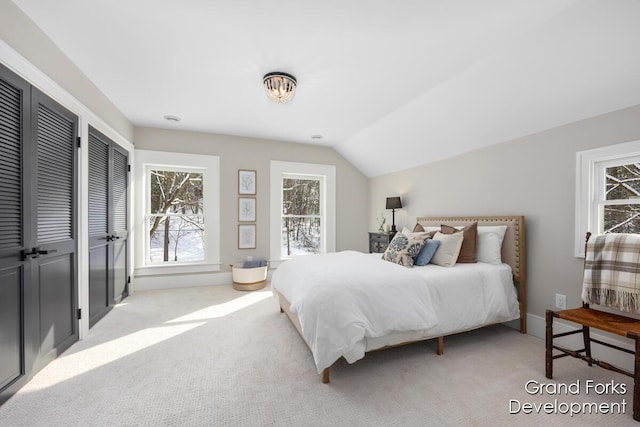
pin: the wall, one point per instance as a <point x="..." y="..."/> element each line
<point x="532" y="176"/>
<point x="255" y="154"/>
<point x="22" y="35"/>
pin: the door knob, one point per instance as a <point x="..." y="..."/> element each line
<point x="40" y="251"/>
<point x="28" y="253"/>
<point x="35" y="253"/>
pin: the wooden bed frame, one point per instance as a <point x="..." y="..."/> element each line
<point x="513" y="253"/>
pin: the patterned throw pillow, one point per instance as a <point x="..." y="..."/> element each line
<point x="403" y="249"/>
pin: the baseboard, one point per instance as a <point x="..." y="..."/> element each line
<point x="173" y="281"/>
<point x="536" y="327"/>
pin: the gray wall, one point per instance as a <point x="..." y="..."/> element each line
<point x="532" y="176"/>
<point x="256" y="154"/>
<point x="19" y="32"/>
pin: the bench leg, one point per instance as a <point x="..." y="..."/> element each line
<point x="440" y="346"/>
<point x="586" y="338"/>
<point x="549" y="344"/>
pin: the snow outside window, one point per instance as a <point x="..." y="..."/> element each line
<point x="176" y="225"/>
<point x="608" y="191"/>
<point x="303" y="213"/>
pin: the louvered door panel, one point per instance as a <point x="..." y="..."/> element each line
<point x="120" y="166"/>
<point x="120" y="179"/>
<point x="98" y="183"/>
<point x="55" y="176"/>
<point x="14" y="316"/>
<point x="10" y="166"/>
<point x="55" y="135"/>
<point x="100" y="277"/>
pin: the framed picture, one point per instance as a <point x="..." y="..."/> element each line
<point x="246" y="209"/>
<point x="246" y="182"/>
<point x="246" y="236"/>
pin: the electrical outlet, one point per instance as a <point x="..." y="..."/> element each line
<point x="561" y="301"/>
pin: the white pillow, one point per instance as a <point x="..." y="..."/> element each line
<point x="449" y="249"/>
<point x="489" y="245"/>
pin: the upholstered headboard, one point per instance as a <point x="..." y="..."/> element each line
<point x="513" y="248"/>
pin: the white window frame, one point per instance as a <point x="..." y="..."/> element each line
<point x="327" y="176"/>
<point x="209" y="166"/>
<point x="590" y="168"/>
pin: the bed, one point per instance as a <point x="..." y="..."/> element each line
<point x="347" y="303"/>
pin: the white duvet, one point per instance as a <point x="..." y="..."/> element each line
<point x="341" y="298"/>
<point x="349" y="302"/>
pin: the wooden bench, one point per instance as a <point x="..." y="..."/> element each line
<point x="609" y="322"/>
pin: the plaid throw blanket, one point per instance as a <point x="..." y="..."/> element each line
<point x="612" y="272"/>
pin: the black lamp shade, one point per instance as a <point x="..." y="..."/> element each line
<point x="394" y="203"/>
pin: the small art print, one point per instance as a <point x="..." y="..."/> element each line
<point x="246" y="182"/>
<point x="247" y="236"/>
<point x="246" y="209"/>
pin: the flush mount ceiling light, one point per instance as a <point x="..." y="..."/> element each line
<point x="279" y="86"/>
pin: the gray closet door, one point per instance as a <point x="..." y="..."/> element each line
<point x="120" y="224"/>
<point x="100" y="279"/>
<point x="14" y="105"/>
<point x="108" y="231"/>
<point x="54" y="195"/>
<point x="38" y="269"/>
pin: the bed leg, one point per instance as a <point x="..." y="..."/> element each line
<point x="325" y="376"/>
<point x="440" y="346"/>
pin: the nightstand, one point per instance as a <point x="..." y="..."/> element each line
<point x="378" y="242"/>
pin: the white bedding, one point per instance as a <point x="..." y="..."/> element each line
<point x="349" y="302"/>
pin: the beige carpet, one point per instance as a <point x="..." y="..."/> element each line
<point x="218" y="357"/>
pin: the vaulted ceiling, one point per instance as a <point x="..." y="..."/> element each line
<point x="389" y="85"/>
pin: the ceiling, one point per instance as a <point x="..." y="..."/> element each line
<point x="389" y="85"/>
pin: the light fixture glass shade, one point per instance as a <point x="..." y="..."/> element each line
<point x="279" y="86"/>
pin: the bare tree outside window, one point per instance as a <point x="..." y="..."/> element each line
<point x="176" y="217"/>
<point x="301" y="219"/>
<point x="620" y="211"/>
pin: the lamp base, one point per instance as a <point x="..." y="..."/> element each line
<point x="393" y="228"/>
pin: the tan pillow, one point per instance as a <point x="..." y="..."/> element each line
<point x="414" y="233"/>
<point x="420" y="229"/>
<point x="449" y="249"/>
<point x="470" y="233"/>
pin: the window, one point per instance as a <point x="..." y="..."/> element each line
<point x="302" y="209"/>
<point x="175" y="219"/>
<point x="301" y="215"/>
<point x="178" y="211"/>
<point x="608" y="191"/>
<point x="618" y="196"/>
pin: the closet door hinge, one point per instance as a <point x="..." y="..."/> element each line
<point x="79" y="141"/>
<point x="128" y="168"/>
<point x="79" y="313"/>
